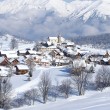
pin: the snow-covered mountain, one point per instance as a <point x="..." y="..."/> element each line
<point x="41" y="18"/>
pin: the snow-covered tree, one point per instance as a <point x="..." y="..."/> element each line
<point x="5" y="92"/>
<point x="103" y="78"/>
<point x="44" y="86"/>
<point x="80" y="75"/>
<point x="13" y="44"/>
<point x="65" y="87"/>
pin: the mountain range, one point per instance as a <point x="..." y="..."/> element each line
<point x="35" y="19"/>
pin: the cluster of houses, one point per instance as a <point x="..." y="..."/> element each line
<point x="56" y="51"/>
<point x="101" y="59"/>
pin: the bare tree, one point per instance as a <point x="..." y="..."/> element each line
<point x="65" y="87"/>
<point x="44" y="86"/>
<point x="31" y="96"/>
<point x="13" y="44"/>
<point x="80" y="75"/>
<point x="54" y="91"/>
<point x="18" y="102"/>
<point x="10" y="71"/>
<point x="103" y="78"/>
<point x="5" y="92"/>
<point x="37" y="46"/>
<point x="31" y="66"/>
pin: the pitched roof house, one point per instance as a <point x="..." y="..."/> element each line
<point x="4" y="61"/>
<point x="21" y="69"/>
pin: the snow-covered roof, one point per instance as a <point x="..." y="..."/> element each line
<point x="70" y="43"/>
<point x="70" y="51"/>
<point x="32" y="51"/>
<point x="45" y="60"/>
<point x="38" y="53"/>
<point x="22" y="67"/>
<point x="12" y="55"/>
<point x="61" y="61"/>
<point x="52" y="47"/>
<point x="106" y="59"/>
<point x="83" y="51"/>
<point x="53" y="38"/>
<point x="8" y="52"/>
<point x="39" y="57"/>
<point x="49" y="43"/>
<point x="22" y="51"/>
<point x="61" y="53"/>
<point x="58" y="51"/>
<point x="43" y="47"/>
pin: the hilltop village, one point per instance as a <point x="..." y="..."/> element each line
<point x="56" y="51"/>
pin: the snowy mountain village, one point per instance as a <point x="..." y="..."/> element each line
<point x="43" y="71"/>
<point x="56" y="51"/>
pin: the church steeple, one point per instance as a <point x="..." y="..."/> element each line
<point x="59" y="38"/>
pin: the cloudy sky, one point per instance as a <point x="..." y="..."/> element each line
<point x="64" y="0"/>
<point x="68" y="0"/>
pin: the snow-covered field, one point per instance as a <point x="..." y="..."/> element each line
<point x="96" y="101"/>
<point x="92" y="100"/>
<point x="21" y="84"/>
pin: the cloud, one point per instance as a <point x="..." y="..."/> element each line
<point x="44" y="23"/>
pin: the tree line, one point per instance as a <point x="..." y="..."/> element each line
<point x="101" y="41"/>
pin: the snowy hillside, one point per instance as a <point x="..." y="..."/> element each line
<point x="5" y="41"/>
<point x="35" y="18"/>
<point x="92" y="100"/>
<point x="98" y="101"/>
